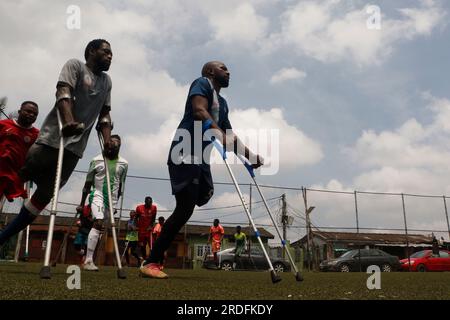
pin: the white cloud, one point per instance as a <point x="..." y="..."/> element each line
<point x="265" y="132"/>
<point x="413" y="159"/>
<point x="287" y="74"/>
<point x="295" y="147"/>
<point x="138" y="145"/>
<point x="322" y="30"/>
<point x="413" y="146"/>
<point x="240" y="24"/>
<point x="229" y="199"/>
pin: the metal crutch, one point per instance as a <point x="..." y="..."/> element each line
<point x="121" y="207"/>
<point x="66" y="236"/>
<point x="251" y="171"/>
<point x="125" y="250"/>
<point x="45" y="272"/>
<point x="20" y="236"/>
<point x="121" y="273"/>
<point x="275" y="277"/>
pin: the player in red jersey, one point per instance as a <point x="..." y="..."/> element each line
<point x="146" y="219"/>
<point x="16" y="137"/>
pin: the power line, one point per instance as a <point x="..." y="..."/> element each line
<point x="200" y="209"/>
<point x="296" y="188"/>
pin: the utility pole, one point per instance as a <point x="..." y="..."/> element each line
<point x="249" y="223"/>
<point x="284" y="221"/>
<point x="308" y="244"/>
<point x="309" y="234"/>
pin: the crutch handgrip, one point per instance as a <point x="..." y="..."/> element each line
<point x="247" y="165"/>
<point x="219" y="147"/>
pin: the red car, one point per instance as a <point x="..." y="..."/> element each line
<point x="425" y="261"/>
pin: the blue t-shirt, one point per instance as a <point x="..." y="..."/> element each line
<point x="200" y="87"/>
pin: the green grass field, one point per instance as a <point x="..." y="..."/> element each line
<point x="21" y="281"/>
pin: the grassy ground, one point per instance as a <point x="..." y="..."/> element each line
<point x="21" y="281"/>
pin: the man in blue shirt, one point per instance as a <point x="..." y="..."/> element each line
<point x="188" y="162"/>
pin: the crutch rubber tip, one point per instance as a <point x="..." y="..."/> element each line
<point x="298" y="276"/>
<point x="275" y="278"/>
<point x="121" y="274"/>
<point x="45" y="273"/>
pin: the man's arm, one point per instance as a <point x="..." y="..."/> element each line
<point x="209" y="236"/>
<point x="228" y="139"/>
<point x="64" y="104"/>
<point x="104" y="125"/>
<point x="122" y="181"/>
<point x="154" y="216"/>
<point x="85" y="192"/>
<point x="200" y="110"/>
<point x="87" y="185"/>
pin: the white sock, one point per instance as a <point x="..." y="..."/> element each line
<point x="93" y="236"/>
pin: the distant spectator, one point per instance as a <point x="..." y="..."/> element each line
<point x="241" y="241"/>
<point x="216" y="233"/>
<point x="435" y="246"/>
<point x="132" y="239"/>
<point x="147" y="215"/>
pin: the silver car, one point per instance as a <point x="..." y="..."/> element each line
<point x="253" y="260"/>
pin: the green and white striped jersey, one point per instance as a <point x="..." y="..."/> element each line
<point x="96" y="175"/>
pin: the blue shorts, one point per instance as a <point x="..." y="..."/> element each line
<point x="80" y="239"/>
<point x="197" y="178"/>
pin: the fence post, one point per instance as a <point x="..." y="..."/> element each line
<point x="357" y="230"/>
<point x="121" y="206"/>
<point x="446" y="216"/>
<point x="406" y="232"/>
<point x="308" y="230"/>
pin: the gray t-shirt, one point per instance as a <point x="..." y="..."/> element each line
<point x="90" y="93"/>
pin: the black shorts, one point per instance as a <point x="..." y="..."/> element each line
<point x="196" y="178"/>
<point x="40" y="167"/>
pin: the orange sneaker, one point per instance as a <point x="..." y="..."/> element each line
<point x="152" y="270"/>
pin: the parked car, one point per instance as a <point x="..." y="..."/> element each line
<point x="350" y="261"/>
<point x="253" y="261"/>
<point x="425" y="261"/>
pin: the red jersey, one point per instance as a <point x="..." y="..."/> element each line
<point x="216" y="233"/>
<point x="14" y="144"/>
<point x="146" y="216"/>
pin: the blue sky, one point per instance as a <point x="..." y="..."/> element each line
<point x="362" y="109"/>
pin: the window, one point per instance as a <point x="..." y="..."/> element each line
<point x="444" y="254"/>
<point x="364" y="253"/>
<point x="420" y="254"/>
<point x="374" y="253"/>
<point x="255" y="251"/>
<point x="201" y="250"/>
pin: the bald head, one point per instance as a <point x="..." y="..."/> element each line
<point x="217" y="72"/>
<point x="209" y="66"/>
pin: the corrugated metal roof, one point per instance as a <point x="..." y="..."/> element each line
<point x="379" y="238"/>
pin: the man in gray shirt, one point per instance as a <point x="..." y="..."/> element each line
<point x="83" y="94"/>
